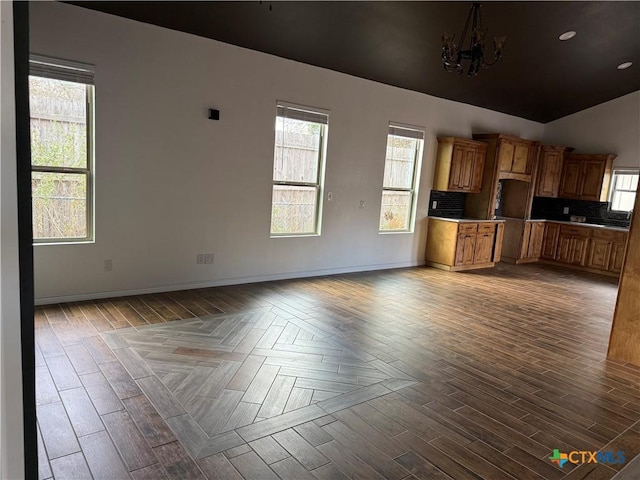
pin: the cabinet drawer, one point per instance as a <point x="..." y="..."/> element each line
<point x="468" y="228"/>
<point x="486" y="227"/>
<point x="571" y="230"/>
<point x="610" y="235"/>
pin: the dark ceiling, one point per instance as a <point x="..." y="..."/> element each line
<point x="398" y="43"/>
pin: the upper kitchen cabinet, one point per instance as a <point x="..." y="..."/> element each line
<point x="508" y="159"/>
<point x="550" y="165"/>
<point x="459" y="165"/>
<point x="586" y="177"/>
<point x="516" y="157"/>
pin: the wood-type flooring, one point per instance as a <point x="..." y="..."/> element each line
<point x="409" y="373"/>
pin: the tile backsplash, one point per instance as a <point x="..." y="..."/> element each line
<point x="596" y="212"/>
<point x="447" y="204"/>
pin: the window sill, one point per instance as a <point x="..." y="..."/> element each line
<point x="295" y="235"/>
<point x="64" y="242"/>
<point x="393" y="232"/>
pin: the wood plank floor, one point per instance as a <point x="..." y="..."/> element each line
<point x="411" y="373"/>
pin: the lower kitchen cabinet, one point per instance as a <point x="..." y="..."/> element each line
<point x="532" y="240"/>
<point x="599" y="254"/>
<point x="617" y="256"/>
<point x="572" y="245"/>
<point x="550" y="240"/>
<point x="596" y="249"/>
<point x="606" y="251"/>
<point x="465" y="249"/>
<point x="463" y="245"/>
<point x="483" y="251"/>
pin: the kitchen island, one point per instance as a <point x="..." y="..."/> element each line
<point x="456" y="244"/>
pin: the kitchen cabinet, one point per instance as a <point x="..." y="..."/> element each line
<point x="463" y="245"/>
<point x="572" y="245"/>
<point x="606" y="250"/>
<point x="617" y="256"/>
<point x="510" y="159"/>
<point x="599" y="254"/>
<point x="532" y="240"/>
<point x="550" y="240"/>
<point x="594" y="248"/>
<point x="465" y="249"/>
<point x="485" y="237"/>
<point x="516" y="156"/>
<point x="550" y="170"/>
<point x="459" y="165"/>
<point x="586" y="177"/>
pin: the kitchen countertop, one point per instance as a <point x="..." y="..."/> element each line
<point x="467" y="220"/>
<point x="563" y="222"/>
<point x="588" y="225"/>
<point x="503" y="219"/>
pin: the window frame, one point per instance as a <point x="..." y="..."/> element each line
<point x="419" y="135"/>
<point x="65" y="70"/>
<point x="613" y="189"/>
<point x="321" y="162"/>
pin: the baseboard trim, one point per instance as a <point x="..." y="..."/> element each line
<point x="221" y="282"/>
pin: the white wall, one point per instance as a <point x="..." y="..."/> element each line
<point x="611" y="127"/>
<point x="11" y="427"/>
<point x="170" y="183"/>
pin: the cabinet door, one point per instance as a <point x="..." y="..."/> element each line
<point x="505" y="157"/>
<point x="526" y="236"/>
<point x="550" y="241"/>
<point x="535" y="240"/>
<point x="520" y="159"/>
<point x="466" y="175"/>
<point x="478" y="170"/>
<point x="565" y="248"/>
<point x="617" y="257"/>
<point x="457" y="164"/>
<point x="570" y="184"/>
<point x="484" y="248"/>
<point x="465" y="249"/>
<point x="579" y="250"/>
<point x="592" y="177"/>
<point x="497" y="251"/>
<point x="549" y="174"/>
<point x="599" y="254"/>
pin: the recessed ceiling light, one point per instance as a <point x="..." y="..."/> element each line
<point x="624" y="65"/>
<point x="567" y="35"/>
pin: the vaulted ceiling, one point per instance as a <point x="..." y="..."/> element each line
<point x="398" y="43"/>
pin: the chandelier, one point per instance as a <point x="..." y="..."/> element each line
<point x="454" y="55"/>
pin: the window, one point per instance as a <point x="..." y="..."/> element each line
<point x="401" y="169"/>
<point x="61" y="105"/>
<point x="298" y="170"/>
<point x="624" y="186"/>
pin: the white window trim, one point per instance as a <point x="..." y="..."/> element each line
<point x="417" y="169"/>
<point x="322" y="161"/>
<point x="67" y="70"/>
<point x="612" y="189"/>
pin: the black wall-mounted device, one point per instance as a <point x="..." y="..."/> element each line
<point x="214" y="114"/>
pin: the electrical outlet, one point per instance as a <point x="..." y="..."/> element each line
<point x="565" y="210"/>
<point x="361" y="203"/>
<point x="108" y="265"/>
<point x="208" y="258"/>
<point x="200" y="259"/>
<point x="434" y="205"/>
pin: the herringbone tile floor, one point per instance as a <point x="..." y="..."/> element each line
<point x="412" y="373"/>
